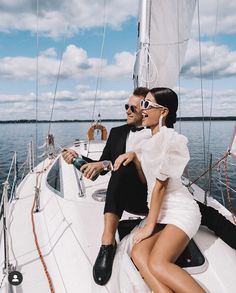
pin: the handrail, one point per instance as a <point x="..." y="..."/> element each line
<point x="219" y="180"/>
<point x="15" y="178"/>
<point x="31" y="156"/>
<point x="7" y="264"/>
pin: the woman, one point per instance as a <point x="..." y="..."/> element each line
<point x="163" y="159"/>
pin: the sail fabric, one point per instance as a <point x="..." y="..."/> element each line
<point x="164" y="30"/>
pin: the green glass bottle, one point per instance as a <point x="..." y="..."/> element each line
<point x="79" y="162"/>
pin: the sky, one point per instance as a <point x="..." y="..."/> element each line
<point x="70" y="37"/>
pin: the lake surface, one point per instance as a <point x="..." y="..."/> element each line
<point x="15" y="137"/>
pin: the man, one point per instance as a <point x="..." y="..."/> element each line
<point x="126" y="192"/>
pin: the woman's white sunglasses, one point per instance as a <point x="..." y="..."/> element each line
<point x="145" y="104"/>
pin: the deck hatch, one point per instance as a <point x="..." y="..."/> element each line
<point x="54" y="181"/>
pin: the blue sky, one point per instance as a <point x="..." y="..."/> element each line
<point x="74" y="28"/>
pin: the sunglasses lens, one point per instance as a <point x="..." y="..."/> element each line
<point x="145" y="104"/>
<point x="132" y="108"/>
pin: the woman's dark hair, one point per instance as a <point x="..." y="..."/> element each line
<point x="167" y="98"/>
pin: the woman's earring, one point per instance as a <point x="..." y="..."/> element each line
<point x="160" y="121"/>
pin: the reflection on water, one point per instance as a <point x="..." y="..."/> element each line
<point x="15" y="137"/>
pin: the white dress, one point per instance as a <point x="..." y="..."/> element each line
<point x="163" y="156"/>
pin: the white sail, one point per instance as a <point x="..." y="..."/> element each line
<point x="164" y="30"/>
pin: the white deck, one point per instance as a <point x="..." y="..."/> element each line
<point x="69" y="231"/>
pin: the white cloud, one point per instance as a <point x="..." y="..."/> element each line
<point x="50" y="52"/>
<point x="76" y="64"/>
<point x="68" y="105"/>
<point x="225" y="22"/>
<point x="68" y="17"/>
<point x="224" y="102"/>
<point x="79" y="104"/>
<point x="57" y="18"/>
<point x="217" y="58"/>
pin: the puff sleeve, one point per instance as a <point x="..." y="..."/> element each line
<point x="167" y="154"/>
<point x="175" y="158"/>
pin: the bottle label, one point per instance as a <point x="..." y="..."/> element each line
<point x="79" y="162"/>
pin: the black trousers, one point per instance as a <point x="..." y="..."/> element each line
<point x="216" y="222"/>
<point x="126" y="192"/>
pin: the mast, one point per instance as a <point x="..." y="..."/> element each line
<point x="163" y="36"/>
<point x="143" y="45"/>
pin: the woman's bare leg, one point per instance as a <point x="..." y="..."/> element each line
<point x="140" y="256"/>
<point x="169" y="245"/>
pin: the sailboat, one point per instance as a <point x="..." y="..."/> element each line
<point x="52" y="224"/>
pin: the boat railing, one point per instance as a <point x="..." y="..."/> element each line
<point x="9" y="194"/>
<point x="223" y="180"/>
<point x="13" y="174"/>
<point x="220" y="180"/>
<point x="31" y="156"/>
<point x="5" y="225"/>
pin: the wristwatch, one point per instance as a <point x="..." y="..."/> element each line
<point x="106" y="165"/>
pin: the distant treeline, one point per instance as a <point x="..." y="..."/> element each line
<point x="229" y="118"/>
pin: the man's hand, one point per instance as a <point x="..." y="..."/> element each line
<point x="90" y="169"/>
<point x="69" y="155"/>
<point x="124" y="160"/>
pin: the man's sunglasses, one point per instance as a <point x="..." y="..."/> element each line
<point x="131" y="107"/>
<point x="145" y="104"/>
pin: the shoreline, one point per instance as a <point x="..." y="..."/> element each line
<point x="21" y="121"/>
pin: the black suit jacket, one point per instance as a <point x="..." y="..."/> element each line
<point x="116" y="143"/>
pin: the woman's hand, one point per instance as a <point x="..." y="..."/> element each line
<point x="143" y="233"/>
<point x="124" y="160"/>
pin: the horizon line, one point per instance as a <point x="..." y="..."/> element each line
<point x="195" y="118"/>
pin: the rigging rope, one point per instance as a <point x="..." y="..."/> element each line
<point x="227" y="190"/>
<point x="37" y="80"/>
<point x="100" y="65"/>
<point x="200" y="67"/>
<point x="210" y="168"/>
<point x="99" y="72"/>
<point x="179" y="94"/>
<point x="220" y="180"/>
<point x="55" y="92"/>
<point x="213" y="78"/>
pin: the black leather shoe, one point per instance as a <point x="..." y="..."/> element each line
<point x="103" y="265"/>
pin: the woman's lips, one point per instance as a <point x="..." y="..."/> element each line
<point x="145" y="115"/>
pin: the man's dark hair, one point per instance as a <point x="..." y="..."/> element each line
<point x="140" y="91"/>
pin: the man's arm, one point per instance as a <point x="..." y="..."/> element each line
<point x="93" y="166"/>
<point x="106" y="154"/>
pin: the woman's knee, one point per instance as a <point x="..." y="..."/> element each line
<point x="136" y="255"/>
<point x="158" y="268"/>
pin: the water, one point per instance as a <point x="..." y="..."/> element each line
<point x="15" y="137"/>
